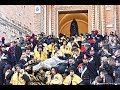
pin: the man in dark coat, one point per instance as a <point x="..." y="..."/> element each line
<point x="74" y="28"/>
<point x="3" y="61"/>
<point x="16" y="53"/>
<point x="2" y="64"/>
<point x="95" y="58"/>
<point x="65" y="67"/>
<point x="88" y="71"/>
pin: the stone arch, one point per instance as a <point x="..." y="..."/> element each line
<point x="66" y="19"/>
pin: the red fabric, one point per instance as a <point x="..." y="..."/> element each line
<point x="92" y="41"/>
<point x="96" y="32"/>
<point x="80" y="65"/>
<point x="28" y="37"/>
<point x="3" y="38"/>
<point x="83" y="49"/>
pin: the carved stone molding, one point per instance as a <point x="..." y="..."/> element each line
<point x="57" y="8"/>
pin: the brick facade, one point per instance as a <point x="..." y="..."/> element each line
<point x="16" y="21"/>
<point x="104" y="18"/>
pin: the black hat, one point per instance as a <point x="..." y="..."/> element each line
<point x="85" y="56"/>
<point x="72" y="68"/>
<point x="57" y="46"/>
<point x="52" y="41"/>
<point x="19" y="65"/>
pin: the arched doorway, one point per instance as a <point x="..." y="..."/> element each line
<point x="65" y="18"/>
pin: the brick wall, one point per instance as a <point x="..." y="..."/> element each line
<point x="18" y="17"/>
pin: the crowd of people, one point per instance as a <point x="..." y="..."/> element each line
<point x="85" y="59"/>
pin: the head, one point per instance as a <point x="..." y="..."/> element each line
<point x="103" y="73"/>
<point x="64" y="42"/>
<point x="18" y="67"/>
<point x="3" y="48"/>
<point x="52" y="42"/>
<point x="53" y="70"/>
<point x="117" y="62"/>
<point x="72" y="72"/>
<point x="85" y="59"/>
<point x="23" y="55"/>
<point x="7" y="67"/>
<point x="71" y="39"/>
<point x="111" y="61"/>
<point x="98" y="79"/>
<point x="15" y="43"/>
<point x="47" y="74"/>
<point x="71" y="60"/>
<point x="117" y="53"/>
<point x="92" y="52"/>
<point x="27" y="51"/>
<point x="76" y="35"/>
<point x="75" y="51"/>
<point x="57" y="47"/>
<point x="104" y="60"/>
<point x="28" y="44"/>
<point x="31" y="39"/>
<point x="40" y="48"/>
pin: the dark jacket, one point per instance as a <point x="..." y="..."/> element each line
<point x="2" y="65"/>
<point x="18" y="52"/>
<point x="7" y="55"/>
<point x="29" y="58"/>
<point x="108" y="79"/>
<point x="90" y="72"/>
<point x="96" y="61"/>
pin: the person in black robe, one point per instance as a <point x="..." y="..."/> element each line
<point x="74" y="28"/>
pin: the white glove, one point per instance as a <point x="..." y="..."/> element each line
<point x="13" y="69"/>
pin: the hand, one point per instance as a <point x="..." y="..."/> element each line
<point x="21" y="71"/>
<point x="13" y="69"/>
<point x="26" y="64"/>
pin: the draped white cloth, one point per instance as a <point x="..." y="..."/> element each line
<point x="51" y="62"/>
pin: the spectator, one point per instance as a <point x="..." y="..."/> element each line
<point x="20" y="77"/>
<point x="97" y="81"/>
<point x="56" y="78"/>
<point x="72" y="78"/>
<point x="107" y="79"/>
